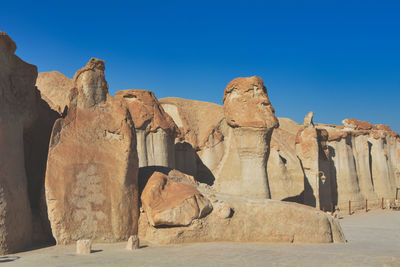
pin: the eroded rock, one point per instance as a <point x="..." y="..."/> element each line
<point x="155" y="129"/>
<point x="172" y="203"/>
<point x="249" y="112"/>
<point x="91" y="178"/>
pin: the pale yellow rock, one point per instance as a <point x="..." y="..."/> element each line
<point x="84" y="246"/>
<point x="252" y="221"/>
<point x="133" y="243"/>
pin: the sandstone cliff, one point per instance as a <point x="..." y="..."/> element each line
<point x="25" y="126"/>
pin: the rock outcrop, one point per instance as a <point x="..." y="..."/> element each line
<point x="172" y="203"/>
<point x="155" y="129"/>
<point x="25" y="126"/>
<point x="358" y="160"/>
<point x="241" y="219"/>
<point x="92" y="168"/>
<point x="207" y="150"/>
<point x="249" y="112"/>
<point x="309" y="153"/>
<point x="54" y="88"/>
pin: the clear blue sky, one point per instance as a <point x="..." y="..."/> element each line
<point x="340" y="59"/>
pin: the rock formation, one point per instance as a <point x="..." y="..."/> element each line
<point x="308" y="152"/>
<point x="249" y="112"/>
<point x="238" y="219"/>
<point x="285" y="173"/>
<point x="358" y="160"/>
<point x="172" y="203"/>
<point x="155" y="129"/>
<point x="25" y="125"/>
<point x="199" y="148"/>
<point x="91" y="178"/>
<point x="54" y="88"/>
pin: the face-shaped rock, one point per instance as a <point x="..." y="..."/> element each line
<point x="91" y="84"/>
<point x="246" y="104"/>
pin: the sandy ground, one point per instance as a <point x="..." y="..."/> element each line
<point x="373" y="240"/>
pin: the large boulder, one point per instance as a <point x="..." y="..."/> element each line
<point x="155" y="129"/>
<point x="91" y="178"/>
<point x="172" y="203"/>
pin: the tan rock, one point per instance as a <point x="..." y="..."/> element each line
<point x="249" y="112"/>
<point x="246" y="104"/>
<point x="285" y="174"/>
<point x="25" y="127"/>
<point x="84" y="246"/>
<point x="54" y="88"/>
<point x="215" y="159"/>
<point x="167" y="202"/>
<point x="133" y="243"/>
<point x="91" y="178"/>
<point x="252" y="221"/>
<point x="17" y="113"/>
<point x="307" y="150"/>
<point x="308" y="120"/>
<point x="353" y="124"/>
<point x="155" y="129"/>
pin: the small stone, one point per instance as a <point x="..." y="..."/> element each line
<point x="84" y="246"/>
<point x="223" y="210"/>
<point x="133" y="243"/>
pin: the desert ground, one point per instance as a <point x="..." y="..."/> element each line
<point x="373" y="240"/>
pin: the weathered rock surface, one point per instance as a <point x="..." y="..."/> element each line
<point x="25" y="123"/>
<point x="308" y="152"/>
<point x="54" y="88"/>
<point x="199" y="147"/>
<point x="91" y="178"/>
<point x="240" y="219"/>
<point x="155" y="129"/>
<point x="172" y="203"/>
<point x="249" y="112"/>
<point x="359" y="161"/>
<point x="214" y="160"/>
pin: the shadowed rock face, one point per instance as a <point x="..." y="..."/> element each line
<point x="155" y="129"/>
<point x="249" y="112"/>
<point x="25" y="123"/>
<point x="91" y="178"/>
<point x="54" y="88"/>
<point x="17" y="112"/>
<point x="307" y="150"/>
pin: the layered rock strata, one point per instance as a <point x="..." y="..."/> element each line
<point x="249" y="112"/>
<point x="92" y="168"/>
<point x="358" y="159"/>
<point x="155" y="129"/>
